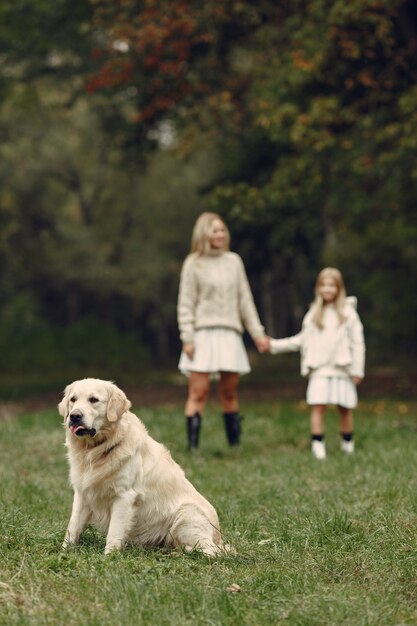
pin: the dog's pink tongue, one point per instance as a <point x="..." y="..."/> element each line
<point x="74" y="429"/>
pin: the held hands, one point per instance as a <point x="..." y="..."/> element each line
<point x="188" y="348"/>
<point x="263" y="344"/>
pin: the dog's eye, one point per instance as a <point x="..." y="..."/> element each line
<point x="93" y="400"/>
<point x="73" y="399"/>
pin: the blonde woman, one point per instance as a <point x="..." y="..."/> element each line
<point x="332" y="350"/>
<point x="215" y="304"/>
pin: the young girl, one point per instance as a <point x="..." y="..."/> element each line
<point x="332" y="356"/>
<point x="215" y="304"/>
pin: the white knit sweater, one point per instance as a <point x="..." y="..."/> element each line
<point x="214" y="292"/>
<point x="337" y="349"/>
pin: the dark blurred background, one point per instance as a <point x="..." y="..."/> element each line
<point x="122" y="120"/>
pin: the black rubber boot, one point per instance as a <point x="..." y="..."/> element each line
<point x="233" y="428"/>
<point x="193" y="429"/>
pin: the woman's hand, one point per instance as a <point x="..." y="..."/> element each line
<point x="263" y="344"/>
<point x="357" y="380"/>
<point x="188" y="348"/>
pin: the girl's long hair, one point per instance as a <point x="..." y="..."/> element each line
<point x="202" y="232"/>
<point x="317" y="307"/>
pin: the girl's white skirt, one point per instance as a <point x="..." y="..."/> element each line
<point x="216" y="350"/>
<point x="332" y="390"/>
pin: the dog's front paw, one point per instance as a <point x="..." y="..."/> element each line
<point x="112" y="547"/>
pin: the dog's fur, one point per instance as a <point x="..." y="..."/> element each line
<point x="125" y="483"/>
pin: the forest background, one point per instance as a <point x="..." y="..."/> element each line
<point x="121" y="121"/>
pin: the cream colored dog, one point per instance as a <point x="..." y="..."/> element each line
<point x="125" y="483"/>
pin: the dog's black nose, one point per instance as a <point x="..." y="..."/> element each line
<point x="76" y="417"/>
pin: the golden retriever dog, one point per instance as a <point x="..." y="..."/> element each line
<point x="125" y="483"/>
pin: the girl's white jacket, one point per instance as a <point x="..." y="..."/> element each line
<point x="349" y="349"/>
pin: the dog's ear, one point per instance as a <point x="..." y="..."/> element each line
<point x="117" y="405"/>
<point x="63" y="405"/>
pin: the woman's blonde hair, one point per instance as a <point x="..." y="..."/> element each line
<point x="339" y="302"/>
<point x="203" y="231"/>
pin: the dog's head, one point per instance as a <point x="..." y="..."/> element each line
<point x="89" y="405"/>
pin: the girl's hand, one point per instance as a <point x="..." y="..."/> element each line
<point x="357" y="380"/>
<point x="188" y="348"/>
<point x="262" y="343"/>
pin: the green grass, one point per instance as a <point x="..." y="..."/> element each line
<point x="317" y="543"/>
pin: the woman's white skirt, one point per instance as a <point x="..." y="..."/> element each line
<point x="216" y="350"/>
<point x="332" y="390"/>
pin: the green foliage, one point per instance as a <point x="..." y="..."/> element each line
<point x="84" y="234"/>
<point x="316" y="543"/>
<point x="86" y="346"/>
<point x="330" y="122"/>
<point x="296" y="121"/>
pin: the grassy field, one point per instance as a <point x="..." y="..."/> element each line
<point x="317" y="543"/>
